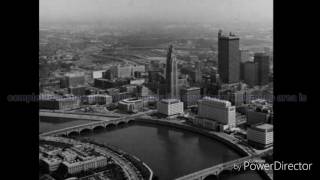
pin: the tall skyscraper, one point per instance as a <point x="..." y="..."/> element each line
<point x="198" y="73"/>
<point x="263" y="62"/>
<point x="228" y="58"/>
<point x="172" y="74"/>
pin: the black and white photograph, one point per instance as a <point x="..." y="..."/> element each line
<point x="160" y="90"/>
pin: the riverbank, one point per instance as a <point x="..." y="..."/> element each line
<point x="221" y="137"/>
<point x="140" y="166"/>
<point x="214" y="135"/>
<point x="132" y="167"/>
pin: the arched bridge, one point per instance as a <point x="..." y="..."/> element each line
<point x="101" y="121"/>
<point x="88" y="127"/>
<point x="217" y="169"/>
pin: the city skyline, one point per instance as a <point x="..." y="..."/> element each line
<point x="115" y="81"/>
<point x="156" y="10"/>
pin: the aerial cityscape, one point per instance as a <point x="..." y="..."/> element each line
<point x="152" y="95"/>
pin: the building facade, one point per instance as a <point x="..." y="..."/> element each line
<point x="170" y="107"/>
<point x="106" y="83"/>
<point x="245" y="55"/>
<point x="250" y="73"/>
<point x="101" y="99"/>
<point x="190" y="96"/>
<point x="126" y="71"/>
<point x="59" y="103"/>
<point x="77" y="91"/>
<point x="73" y="80"/>
<point x="263" y="62"/>
<point x="228" y="58"/>
<point x="131" y="105"/>
<point x="171" y="74"/>
<point x="76" y="167"/>
<point x="219" y="110"/>
<point x="260" y="136"/>
<point x="97" y="74"/>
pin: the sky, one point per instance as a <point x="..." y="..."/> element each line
<point x="153" y="10"/>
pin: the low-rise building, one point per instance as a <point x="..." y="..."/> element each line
<point x="58" y="103"/>
<point x="78" y="166"/>
<point x="51" y="164"/>
<point x="257" y="117"/>
<point x="77" y="91"/>
<point x="97" y="74"/>
<point x="259" y="111"/>
<point x="131" y="105"/>
<point x="205" y="123"/>
<point x="126" y="71"/>
<point x="143" y="91"/>
<point x="131" y="89"/>
<point x="170" y="107"/>
<point x="106" y="83"/>
<point x="101" y="99"/>
<point x="260" y="135"/>
<point x="73" y="80"/>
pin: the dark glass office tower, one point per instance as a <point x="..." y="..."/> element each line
<point x="172" y="74"/>
<point x="263" y="62"/>
<point x="228" y="58"/>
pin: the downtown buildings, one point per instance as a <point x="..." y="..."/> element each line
<point x="171" y="74"/>
<point x="131" y="105"/>
<point x="170" y="107"/>
<point x="190" y="96"/>
<point x="263" y="61"/>
<point x="220" y="110"/>
<point x="228" y="58"/>
<point x="260" y="135"/>
<point x="72" y="80"/>
<point x="256" y="72"/>
<point x="215" y="114"/>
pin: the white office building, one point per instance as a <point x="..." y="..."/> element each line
<point x="219" y="110"/>
<point x="170" y="107"/>
<point x="260" y="136"/>
<point x="97" y="74"/>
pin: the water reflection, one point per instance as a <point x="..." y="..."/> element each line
<point x="170" y="152"/>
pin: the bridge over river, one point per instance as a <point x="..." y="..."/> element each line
<point x="199" y="175"/>
<point x="101" y="121"/>
<point x="217" y="169"/>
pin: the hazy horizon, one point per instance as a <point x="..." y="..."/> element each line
<point x="156" y="10"/>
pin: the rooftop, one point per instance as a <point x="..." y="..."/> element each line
<point x="215" y="99"/>
<point x="193" y="88"/>
<point x="131" y="100"/>
<point x="74" y="74"/>
<point x="170" y="101"/>
<point x="264" y="126"/>
<point x="230" y="37"/>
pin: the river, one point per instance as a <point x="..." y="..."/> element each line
<point x="170" y="152"/>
